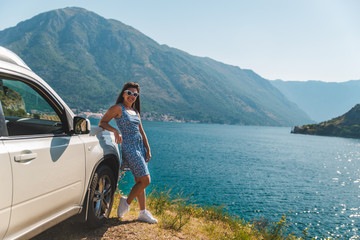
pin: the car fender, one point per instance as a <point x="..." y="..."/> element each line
<point x="100" y="149"/>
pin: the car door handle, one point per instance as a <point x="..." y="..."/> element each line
<point x="26" y="157"/>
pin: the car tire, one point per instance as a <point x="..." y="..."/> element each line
<point x="101" y="197"/>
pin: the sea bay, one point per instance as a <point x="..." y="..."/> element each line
<point x="260" y="172"/>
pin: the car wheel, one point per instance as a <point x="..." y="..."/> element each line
<point x="101" y="196"/>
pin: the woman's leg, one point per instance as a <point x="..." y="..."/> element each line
<point x="142" y="200"/>
<point x="138" y="190"/>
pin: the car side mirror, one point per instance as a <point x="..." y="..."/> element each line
<point x="81" y="125"/>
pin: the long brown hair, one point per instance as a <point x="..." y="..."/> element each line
<point x="128" y="85"/>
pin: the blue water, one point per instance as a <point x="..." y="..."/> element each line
<point x="261" y="172"/>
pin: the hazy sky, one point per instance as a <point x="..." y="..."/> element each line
<point x="278" y="39"/>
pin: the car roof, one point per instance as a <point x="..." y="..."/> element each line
<point x="8" y="56"/>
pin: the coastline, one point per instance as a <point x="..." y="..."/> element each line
<point x="144" y="116"/>
<point x="177" y="220"/>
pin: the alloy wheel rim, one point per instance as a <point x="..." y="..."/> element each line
<point x="102" y="197"/>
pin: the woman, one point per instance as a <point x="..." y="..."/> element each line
<point x="135" y="149"/>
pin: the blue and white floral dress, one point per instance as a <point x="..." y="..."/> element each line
<point x="132" y="148"/>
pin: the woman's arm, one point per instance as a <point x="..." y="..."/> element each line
<point x="146" y="142"/>
<point x="113" y="112"/>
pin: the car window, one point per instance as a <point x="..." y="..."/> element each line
<point x="26" y="111"/>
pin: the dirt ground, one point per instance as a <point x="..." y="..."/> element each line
<point x="124" y="228"/>
<point x="114" y="228"/>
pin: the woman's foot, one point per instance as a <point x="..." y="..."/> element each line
<point x="123" y="207"/>
<point x="145" y="216"/>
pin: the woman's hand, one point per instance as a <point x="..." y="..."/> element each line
<point x="147" y="156"/>
<point x="118" y="137"/>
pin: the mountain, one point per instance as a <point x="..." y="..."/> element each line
<point x="321" y="100"/>
<point x="347" y="125"/>
<point x="87" y="59"/>
<point x="12" y="103"/>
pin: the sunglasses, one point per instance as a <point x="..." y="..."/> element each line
<point x="129" y="93"/>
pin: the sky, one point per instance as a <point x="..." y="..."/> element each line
<point x="291" y="40"/>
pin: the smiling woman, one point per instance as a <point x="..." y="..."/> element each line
<point x="135" y="149"/>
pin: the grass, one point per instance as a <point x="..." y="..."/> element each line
<point x="179" y="213"/>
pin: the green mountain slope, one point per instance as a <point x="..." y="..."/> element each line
<point x="87" y="58"/>
<point x="321" y="100"/>
<point x="346" y="125"/>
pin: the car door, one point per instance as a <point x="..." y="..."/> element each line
<point x="48" y="164"/>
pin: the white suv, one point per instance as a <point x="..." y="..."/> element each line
<point x="51" y="165"/>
